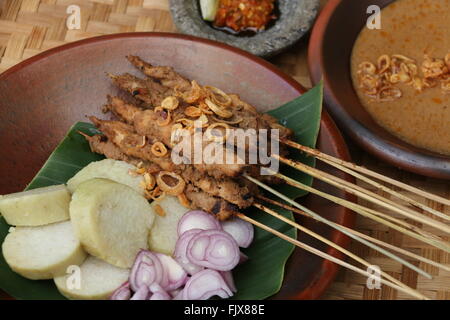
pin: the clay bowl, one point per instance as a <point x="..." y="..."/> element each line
<point x="43" y="96"/>
<point x="330" y="49"/>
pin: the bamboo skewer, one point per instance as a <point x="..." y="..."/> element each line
<point x="365" y="194"/>
<point x="377" y="216"/>
<point x="328" y="242"/>
<point x="362" y="235"/>
<point x="328" y="257"/>
<point x="371" y="173"/>
<point x="382" y="187"/>
<point x="358" y="208"/>
<point x="339" y="228"/>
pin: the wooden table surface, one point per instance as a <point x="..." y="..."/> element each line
<point x="28" y="27"/>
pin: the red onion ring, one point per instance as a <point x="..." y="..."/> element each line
<point x="197" y="219"/>
<point x="180" y="253"/>
<point x="229" y="280"/>
<point x="176" y="276"/>
<point x="241" y="231"/>
<point x="141" y="294"/>
<point x="175" y="293"/>
<point x="204" y="285"/>
<point x="146" y="270"/>
<point x="122" y="293"/>
<point x="213" y="249"/>
<point x="158" y="293"/>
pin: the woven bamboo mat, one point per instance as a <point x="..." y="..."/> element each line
<point x="28" y="27"/>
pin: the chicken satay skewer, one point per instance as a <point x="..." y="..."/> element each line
<point x="329" y="257"/>
<point x="362" y="235"/>
<point x="167" y="73"/>
<point x="213" y="204"/>
<point x="377" y="198"/>
<point x="145" y="123"/>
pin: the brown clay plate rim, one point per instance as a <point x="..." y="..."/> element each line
<point x="328" y="270"/>
<point x="396" y="152"/>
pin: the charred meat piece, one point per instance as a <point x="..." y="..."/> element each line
<point x="166" y="75"/>
<point x="226" y="188"/>
<point x="198" y="198"/>
<point x="100" y="144"/>
<point x="130" y="143"/>
<point x="217" y="206"/>
<point x="170" y="78"/>
<point x="151" y="93"/>
<point x="144" y="122"/>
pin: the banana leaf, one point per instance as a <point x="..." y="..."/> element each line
<point x="258" y="278"/>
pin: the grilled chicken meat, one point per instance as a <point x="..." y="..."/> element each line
<point x="215" y="188"/>
<point x="175" y="83"/>
<point x="125" y="141"/>
<point x="215" y="200"/>
<point x="150" y="92"/>
<point x="144" y="124"/>
<point x="166" y="75"/>
<point x="217" y="206"/>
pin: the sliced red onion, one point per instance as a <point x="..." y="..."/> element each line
<point x="122" y="293"/>
<point x="197" y="219"/>
<point x="242" y="257"/>
<point x="229" y="280"/>
<point x="174" y="293"/>
<point x="213" y="249"/>
<point x="204" y="285"/>
<point x="241" y="231"/>
<point x="180" y="253"/>
<point x="178" y="295"/>
<point x="141" y="294"/>
<point x="146" y="270"/>
<point x="160" y="296"/>
<point x="176" y="276"/>
<point x="158" y="293"/>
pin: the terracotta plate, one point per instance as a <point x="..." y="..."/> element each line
<point x="43" y="96"/>
<point x="329" y="54"/>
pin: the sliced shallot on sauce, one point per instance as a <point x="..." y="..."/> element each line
<point x="122" y="293"/>
<point x="241" y="231"/>
<point x="204" y="285"/>
<point x="176" y="276"/>
<point x="141" y="294"/>
<point x="214" y="249"/>
<point x="197" y="219"/>
<point x="180" y="253"/>
<point x="146" y="270"/>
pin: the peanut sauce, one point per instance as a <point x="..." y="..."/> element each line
<point x="418" y="30"/>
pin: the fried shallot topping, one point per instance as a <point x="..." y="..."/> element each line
<point x="379" y="81"/>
